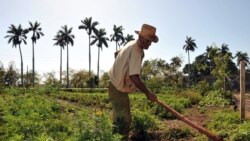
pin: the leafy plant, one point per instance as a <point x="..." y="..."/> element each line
<point x="143" y="121"/>
<point x="243" y="133"/>
<point x="98" y="128"/>
<point x="192" y="95"/>
<point x="229" y="126"/>
<point x="178" y="104"/>
<point x="203" y="87"/>
<point x="214" y="98"/>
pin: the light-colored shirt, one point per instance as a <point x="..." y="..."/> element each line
<point x="128" y="62"/>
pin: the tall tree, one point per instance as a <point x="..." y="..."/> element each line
<point x="17" y="35"/>
<point x="89" y="26"/>
<point x="117" y="36"/>
<point x="99" y="39"/>
<point x="36" y="34"/>
<point x="128" y="38"/>
<point x="67" y="37"/>
<point x="242" y="57"/>
<point x="189" y="46"/>
<point x="62" y="43"/>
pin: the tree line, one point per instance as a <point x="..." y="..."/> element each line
<point x="63" y="38"/>
<point x="216" y="61"/>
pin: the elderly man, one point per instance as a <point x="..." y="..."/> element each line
<point x="125" y="78"/>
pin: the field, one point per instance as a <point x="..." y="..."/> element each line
<point x="48" y="114"/>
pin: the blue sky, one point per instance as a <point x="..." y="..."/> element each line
<point x="206" y="21"/>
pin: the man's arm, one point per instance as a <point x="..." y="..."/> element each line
<point x="140" y="85"/>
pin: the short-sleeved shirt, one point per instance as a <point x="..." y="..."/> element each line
<point x="128" y="62"/>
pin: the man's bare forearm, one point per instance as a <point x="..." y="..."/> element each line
<point x="139" y="84"/>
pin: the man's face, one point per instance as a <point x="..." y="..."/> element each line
<point x="145" y="43"/>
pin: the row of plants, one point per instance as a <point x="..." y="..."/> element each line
<point x="138" y="101"/>
<point x="85" y="90"/>
<point x="33" y="117"/>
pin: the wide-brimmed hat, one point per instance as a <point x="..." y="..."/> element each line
<point x="148" y="32"/>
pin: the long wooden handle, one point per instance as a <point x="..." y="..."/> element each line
<point x="189" y="122"/>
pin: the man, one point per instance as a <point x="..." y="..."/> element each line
<point x="125" y="78"/>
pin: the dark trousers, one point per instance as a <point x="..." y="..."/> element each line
<point x="121" y="111"/>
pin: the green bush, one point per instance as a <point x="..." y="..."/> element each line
<point x="177" y="103"/>
<point x="214" y="98"/>
<point x="243" y="133"/>
<point x="140" y="102"/>
<point x="230" y="126"/>
<point x="192" y="95"/>
<point x="163" y="113"/>
<point x="143" y="121"/>
<point x="97" y="128"/>
<point x="203" y="87"/>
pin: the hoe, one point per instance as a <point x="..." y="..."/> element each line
<point x="190" y="123"/>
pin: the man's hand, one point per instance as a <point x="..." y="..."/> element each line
<point x="152" y="97"/>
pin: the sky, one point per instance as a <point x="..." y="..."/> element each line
<point x="207" y="21"/>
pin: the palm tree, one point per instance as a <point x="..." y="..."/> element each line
<point x="89" y="26"/>
<point x="242" y="57"/>
<point x="100" y="39"/>
<point x="36" y="34"/>
<point x="17" y="35"/>
<point x="67" y="37"/>
<point x="117" y="36"/>
<point x="60" y="42"/>
<point x="224" y="49"/>
<point x="189" y="46"/>
<point x="128" y="38"/>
